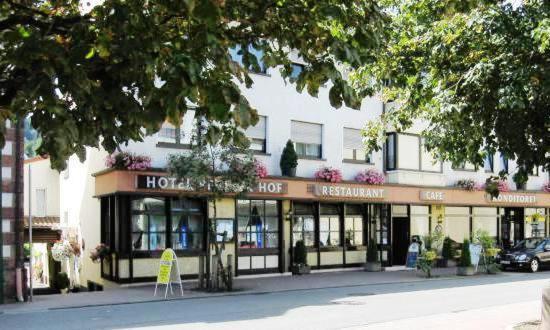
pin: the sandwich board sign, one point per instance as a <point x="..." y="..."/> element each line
<point x="475" y="254"/>
<point x="169" y="272"/>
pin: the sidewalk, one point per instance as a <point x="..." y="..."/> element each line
<point x="242" y="286"/>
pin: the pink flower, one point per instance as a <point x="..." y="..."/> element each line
<point x="261" y="169"/>
<point x="329" y="174"/>
<point x="128" y="161"/>
<point x="546" y="187"/>
<point x="370" y="176"/>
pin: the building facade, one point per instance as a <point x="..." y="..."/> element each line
<point x="12" y="212"/>
<point x="139" y="214"/>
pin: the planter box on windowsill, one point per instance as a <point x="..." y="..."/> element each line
<point x="301" y="269"/>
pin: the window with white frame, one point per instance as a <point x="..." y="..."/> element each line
<point x="40" y="202"/>
<point x="465" y="166"/>
<point x="307" y="138"/>
<point x="428" y="162"/>
<point x="408" y="152"/>
<point x="170" y="133"/>
<point x="259" y="66"/>
<point x="503" y="163"/>
<point x="257" y="135"/>
<point x="353" y="146"/>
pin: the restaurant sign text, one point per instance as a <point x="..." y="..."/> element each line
<point x="327" y="190"/>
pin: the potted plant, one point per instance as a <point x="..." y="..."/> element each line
<point x="494" y="185"/>
<point x="62" y="282"/>
<point x="300" y="266"/>
<point x="370" y="176"/>
<point x="289" y="160"/>
<point x="520" y="178"/>
<point x="447" y="252"/>
<point x="426" y="262"/>
<point x="373" y="264"/>
<point x="465" y="263"/>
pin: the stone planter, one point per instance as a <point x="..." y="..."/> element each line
<point x="301" y="269"/>
<point x="64" y="291"/>
<point x="442" y="263"/>
<point x="465" y="271"/>
<point x="373" y="266"/>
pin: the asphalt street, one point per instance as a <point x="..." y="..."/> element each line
<point x="489" y="302"/>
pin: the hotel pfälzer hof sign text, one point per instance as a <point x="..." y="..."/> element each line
<point x="159" y="182"/>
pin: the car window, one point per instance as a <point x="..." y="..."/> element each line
<point x="531" y="243"/>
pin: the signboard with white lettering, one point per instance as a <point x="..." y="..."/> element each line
<point x="328" y="190"/>
<point x="513" y="199"/>
<point x="159" y="182"/>
<point x="431" y="195"/>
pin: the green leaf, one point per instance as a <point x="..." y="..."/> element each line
<point x="90" y="54"/>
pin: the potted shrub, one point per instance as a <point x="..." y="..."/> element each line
<point x="62" y="282"/>
<point x="447" y="252"/>
<point x="373" y="264"/>
<point x="494" y="185"/>
<point x="289" y="160"/>
<point x="520" y="178"/>
<point x="465" y="263"/>
<point x="426" y="262"/>
<point x="300" y="266"/>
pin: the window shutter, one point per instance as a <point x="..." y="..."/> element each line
<point x="40" y="202"/>
<point x="306" y="132"/>
<point x="353" y="139"/>
<point x="258" y="131"/>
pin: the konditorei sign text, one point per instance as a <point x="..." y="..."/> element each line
<point x="513" y="198"/>
<point x="160" y="182"/>
<point x="328" y="190"/>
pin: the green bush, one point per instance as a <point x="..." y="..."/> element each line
<point x="62" y="281"/>
<point x="300" y="253"/>
<point x="289" y="159"/>
<point x="447" y="252"/>
<point x="465" y="259"/>
<point x="372" y="251"/>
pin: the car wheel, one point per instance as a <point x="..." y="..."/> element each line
<point x="534" y="265"/>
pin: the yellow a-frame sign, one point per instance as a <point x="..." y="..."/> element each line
<point x="168" y="274"/>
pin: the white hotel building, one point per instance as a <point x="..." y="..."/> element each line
<point x="419" y="196"/>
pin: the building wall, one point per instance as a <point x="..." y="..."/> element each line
<point x="79" y="210"/>
<point x="11" y="213"/>
<point x="42" y="177"/>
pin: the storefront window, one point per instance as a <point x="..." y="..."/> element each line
<point x="258" y="224"/>
<point x="187" y="224"/>
<point x="329" y="226"/>
<point x="353" y="225"/>
<point x="303" y="226"/>
<point x="148" y="224"/>
<point x="224" y="226"/>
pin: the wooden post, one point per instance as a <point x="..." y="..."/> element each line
<point x="215" y="277"/>
<point x="201" y="272"/>
<point x="229" y="272"/>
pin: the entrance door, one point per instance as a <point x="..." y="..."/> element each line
<point x="512" y="227"/>
<point x="400" y="240"/>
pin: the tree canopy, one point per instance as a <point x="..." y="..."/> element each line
<point x="477" y="72"/>
<point x="105" y="75"/>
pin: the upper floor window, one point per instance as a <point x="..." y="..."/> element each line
<point x="307" y="138"/>
<point x="353" y="146"/>
<point x="257" y="135"/>
<point x="169" y="133"/>
<point x="503" y="163"/>
<point x="41" y="202"/>
<point x="257" y="66"/>
<point x="534" y="171"/>
<point x="488" y="162"/>
<point x="465" y="166"/>
<point x="408" y="152"/>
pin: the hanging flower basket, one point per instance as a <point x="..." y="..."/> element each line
<point x="100" y="252"/>
<point x="128" y="161"/>
<point x="61" y="250"/>
<point x="329" y="174"/>
<point x="370" y="176"/>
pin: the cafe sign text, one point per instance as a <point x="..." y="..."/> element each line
<point x="431" y="195"/>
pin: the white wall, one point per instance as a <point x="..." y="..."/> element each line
<point x="42" y="177"/>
